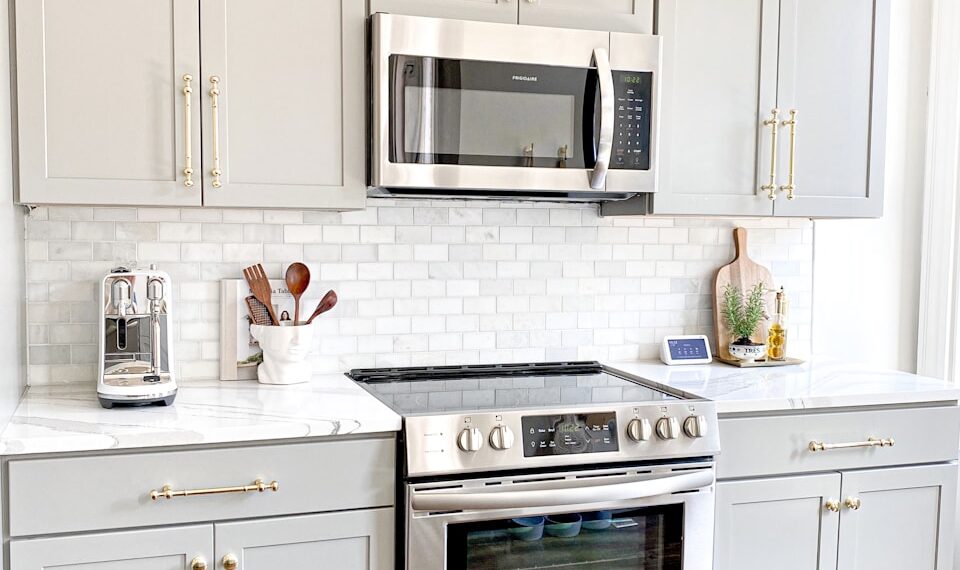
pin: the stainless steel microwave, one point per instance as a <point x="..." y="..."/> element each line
<point x="499" y="110"/>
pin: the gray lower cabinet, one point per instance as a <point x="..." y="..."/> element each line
<point x="174" y="548"/>
<point x="759" y="521"/>
<point x="358" y="540"/>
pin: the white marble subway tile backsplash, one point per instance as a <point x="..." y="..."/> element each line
<point x="420" y="282"/>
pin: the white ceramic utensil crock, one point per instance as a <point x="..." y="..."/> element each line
<point x="286" y="351"/>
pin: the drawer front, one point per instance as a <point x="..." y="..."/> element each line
<point x="780" y="445"/>
<point x="89" y="493"/>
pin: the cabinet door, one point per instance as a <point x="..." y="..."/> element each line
<point x="905" y="519"/>
<point x="777" y="523"/>
<point x="359" y="540"/>
<point x="833" y="72"/>
<point x="503" y="11"/>
<point x="606" y="15"/>
<point x="101" y="113"/>
<point x="173" y="548"/>
<point x="719" y="78"/>
<point x="288" y="126"/>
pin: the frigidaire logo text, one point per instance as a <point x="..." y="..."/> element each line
<point x="525" y="78"/>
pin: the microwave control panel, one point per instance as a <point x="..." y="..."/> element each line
<point x="631" y="133"/>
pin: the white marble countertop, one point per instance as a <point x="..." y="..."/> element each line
<point x="812" y="385"/>
<point x="69" y="418"/>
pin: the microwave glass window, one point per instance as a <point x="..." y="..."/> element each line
<point x="482" y="113"/>
<point x="649" y="538"/>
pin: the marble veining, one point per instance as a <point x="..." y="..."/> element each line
<point x="69" y="418"/>
<point x="812" y="385"/>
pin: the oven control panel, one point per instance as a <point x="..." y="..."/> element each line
<point x="566" y="434"/>
<point x="631" y="132"/>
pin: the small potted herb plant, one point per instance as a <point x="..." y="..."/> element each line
<point x="743" y="318"/>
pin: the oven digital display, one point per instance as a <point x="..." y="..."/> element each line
<point x="569" y="434"/>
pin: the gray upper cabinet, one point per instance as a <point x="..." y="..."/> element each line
<point x="503" y="11"/>
<point x="283" y="105"/>
<point x="608" y="15"/>
<point x="726" y="68"/>
<point x="833" y="73"/>
<point x="101" y="110"/>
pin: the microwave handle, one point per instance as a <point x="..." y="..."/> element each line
<point x="458" y="500"/>
<point x="607" y="112"/>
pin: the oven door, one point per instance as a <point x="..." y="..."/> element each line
<point x="480" y="106"/>
<point x="637" y="519"/>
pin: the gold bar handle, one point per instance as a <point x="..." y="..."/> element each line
<point x="789" y="187"/>
<point x="215" y="107"/>
<point x="166" y="492"/>
<point x="871" y="442"/>
<point x="773" y="122"/>
<point x="187" y="130"/>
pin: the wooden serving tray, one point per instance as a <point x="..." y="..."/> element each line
<point x="759" y="363"/>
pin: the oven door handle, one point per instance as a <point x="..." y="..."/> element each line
<point x="607" y="112"/>
<point x="460" y="500"/>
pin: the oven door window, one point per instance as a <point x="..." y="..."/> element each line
<point x="481" y="113"/>
<point x="649" y="538"/>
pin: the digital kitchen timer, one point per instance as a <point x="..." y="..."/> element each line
<point x="685" y="349"/>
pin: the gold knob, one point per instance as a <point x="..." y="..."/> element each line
<point x="852" y="503"/>
<point x="198" y="563"/>
<point x="833" y="506"/>
<point x="230" y="562"/>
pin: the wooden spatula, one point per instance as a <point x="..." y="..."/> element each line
<point x="260" y="287"/>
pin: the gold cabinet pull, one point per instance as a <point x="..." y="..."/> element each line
<point x="773" y="122"/>
<point x="187" y="131"/>
<point x="215" y="107"/>
<point x="229" y="562"/>
<point x="789" y="187"/>
<point x="166" y="492"/>
<point x="198" y="563"/>
<point x="852" y="503"/>
<point x="833" y="506"/>
<point x="871" y="442"/>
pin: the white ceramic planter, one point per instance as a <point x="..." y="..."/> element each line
<point x="286" y="351"/>
<point x="747" y="352"/>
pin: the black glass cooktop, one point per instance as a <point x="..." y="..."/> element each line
<point x="445" y="389"/>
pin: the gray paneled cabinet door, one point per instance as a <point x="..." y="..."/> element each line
<point x="608" y="15"/>
<point x="358" y="540"/>
<point x="283" y="103"/>
<point x="904" y="520"/>
<point x="503" y="11"/>
<point x="174" y="548"/>
<point x="101" y="109"/>
<point x="833" y="72"/>
<point x="777" y="523"/>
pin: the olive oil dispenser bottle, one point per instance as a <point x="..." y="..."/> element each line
<point x="777" y="335"/>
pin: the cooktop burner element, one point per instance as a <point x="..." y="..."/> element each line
<point x="516" y="416"/>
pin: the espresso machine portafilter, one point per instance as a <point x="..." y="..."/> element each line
<point x="136" y="339"/>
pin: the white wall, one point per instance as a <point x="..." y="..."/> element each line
<point x="867" y="272"/>
<point x="12" y="302"/>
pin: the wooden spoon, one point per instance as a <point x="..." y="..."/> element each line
<point x="325" y="304"/>
<point x="298" y="279"/>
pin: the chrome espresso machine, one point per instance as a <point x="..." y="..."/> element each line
<point x="136" y="339"/>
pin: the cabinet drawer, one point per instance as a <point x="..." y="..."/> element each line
<point x="780" y="444"/>
<point x="100" y="492"/>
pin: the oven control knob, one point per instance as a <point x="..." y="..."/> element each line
<point x="501" y="438"/>
<point x="639" y="429"/>
<point x="695" y="426"/>
<point x="470" y="439"/>
<point x="668" y="428"/>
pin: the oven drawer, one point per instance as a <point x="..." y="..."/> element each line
<point x="781" y="444"/>
<point x="100" y="492"/>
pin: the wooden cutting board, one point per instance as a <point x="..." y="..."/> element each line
<point x="744" y="273"/>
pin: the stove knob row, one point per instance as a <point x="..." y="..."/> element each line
<point x="501" y="438"/>
<point x="695" y="426"/>
<point x="470" y="440"/>
<point x="668" y="428"/>
<point x="639" y="429"/>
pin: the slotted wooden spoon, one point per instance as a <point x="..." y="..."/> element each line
<point x="260" y="287"/>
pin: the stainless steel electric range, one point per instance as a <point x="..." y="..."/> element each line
<point x="571" y="464"/>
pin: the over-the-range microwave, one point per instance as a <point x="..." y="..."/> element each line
<point x="464" y="108"/>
